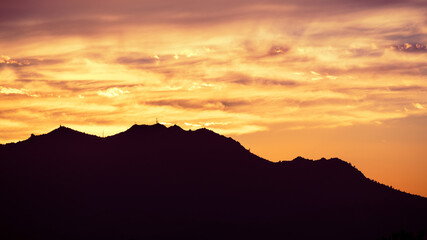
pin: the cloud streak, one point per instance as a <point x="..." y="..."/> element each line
<point x="410" y="48"/>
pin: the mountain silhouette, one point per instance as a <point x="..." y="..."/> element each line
<point x="158" y="182"/>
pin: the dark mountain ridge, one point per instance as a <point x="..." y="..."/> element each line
<point x="157" y="182"/>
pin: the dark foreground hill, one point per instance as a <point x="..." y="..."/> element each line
<point x="154" y="182"/>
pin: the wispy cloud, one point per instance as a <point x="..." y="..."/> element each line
<point x="410" y="48"/>
<point x="248" y="63"/>
<point x="112" y="92"/>
<point x="22" y="91"/>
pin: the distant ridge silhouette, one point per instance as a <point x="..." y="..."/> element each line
<point x="158" y="182"/>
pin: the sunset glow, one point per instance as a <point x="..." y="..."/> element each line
<point x="313" y="78"/>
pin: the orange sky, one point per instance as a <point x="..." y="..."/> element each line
<point x="313" y="78"/>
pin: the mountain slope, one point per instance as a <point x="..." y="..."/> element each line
<point x="154" y="182"/>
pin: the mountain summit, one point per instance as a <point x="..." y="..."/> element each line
<point x="158" y="182"/>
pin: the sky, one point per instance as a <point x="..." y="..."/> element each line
<point x="286" y="78"/>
